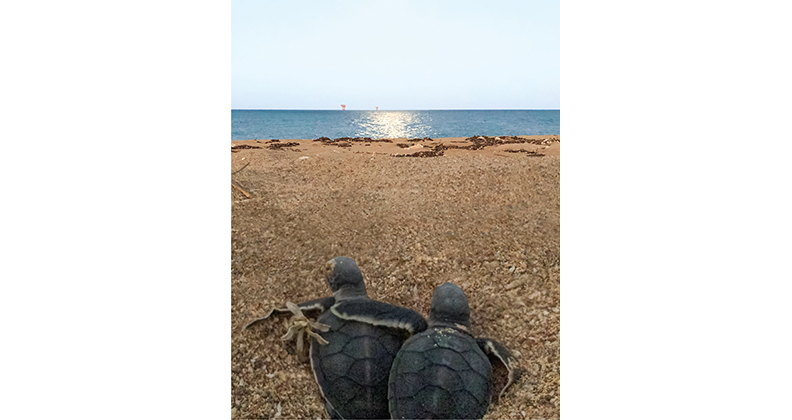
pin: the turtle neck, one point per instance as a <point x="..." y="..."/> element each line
<point x="453" y="325"/>
<point x="349" y="292"/>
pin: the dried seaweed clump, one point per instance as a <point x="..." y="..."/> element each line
<point x="276" y="146"/>
<point x="438" y="150"/>
<point x="238" y="147"/>
<point x="543" y="142"/>
<point x="527" y="152"/>
<point x="346" y="141"/>
<point x="480" y="142"/>
<point x="378" y="140"/>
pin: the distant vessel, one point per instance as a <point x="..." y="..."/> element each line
<point x="376" y="108"/>
<point x="343" y="107"/>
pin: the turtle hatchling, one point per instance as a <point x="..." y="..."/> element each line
<point x="357" y="340"/>
<point x="444" y="372"/>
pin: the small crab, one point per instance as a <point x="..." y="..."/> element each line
<point x="299" y="325"/>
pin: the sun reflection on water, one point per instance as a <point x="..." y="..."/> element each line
<point x="393" y="124"/>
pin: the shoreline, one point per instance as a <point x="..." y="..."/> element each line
<point x="534" y="145"/>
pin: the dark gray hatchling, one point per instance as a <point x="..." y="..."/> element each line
<point x="358" y="339"/>
<point x="444" y="372"/>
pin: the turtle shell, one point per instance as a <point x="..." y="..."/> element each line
<point x="352" y="370"/>
<point x="440" y="373"/>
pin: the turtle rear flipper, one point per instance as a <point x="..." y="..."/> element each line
<point x="380" y="314"/>
<point x="311" y="308"/>
<point x="496" y="352"/>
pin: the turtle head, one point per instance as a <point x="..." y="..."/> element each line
<point x="450" y="307"/>
<point x="344" y="278"/>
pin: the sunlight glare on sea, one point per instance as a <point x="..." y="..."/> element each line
<point x="393" y="124"/>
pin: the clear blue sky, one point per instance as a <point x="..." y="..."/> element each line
<point x="395" y="54"/>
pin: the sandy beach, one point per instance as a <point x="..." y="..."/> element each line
<point x="481" y="212"/>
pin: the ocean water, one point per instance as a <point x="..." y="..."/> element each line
<point x="277" y="124"/>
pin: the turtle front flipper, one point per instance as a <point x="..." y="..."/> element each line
<point x="312" y="308"/>
<point x="381" y="314"/>
<point x="496" y="352"/>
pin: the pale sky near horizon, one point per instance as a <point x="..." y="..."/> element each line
<point x="397" y="55"/>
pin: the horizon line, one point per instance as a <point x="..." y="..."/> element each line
<point x="445" y="109"/>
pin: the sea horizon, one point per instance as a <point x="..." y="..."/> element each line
<point x="408" y="110"/>
<point x="258" y="124"/>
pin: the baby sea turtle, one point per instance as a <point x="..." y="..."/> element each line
<point x="361" y="338"/>
<point x="444" y="372"/>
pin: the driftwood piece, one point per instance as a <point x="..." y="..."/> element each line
<point x="234" y="184"/>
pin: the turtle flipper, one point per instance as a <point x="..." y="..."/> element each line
<point x="380" y="313"/>
<point x="495" y="351"/>
<point x="316" y="305"/>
